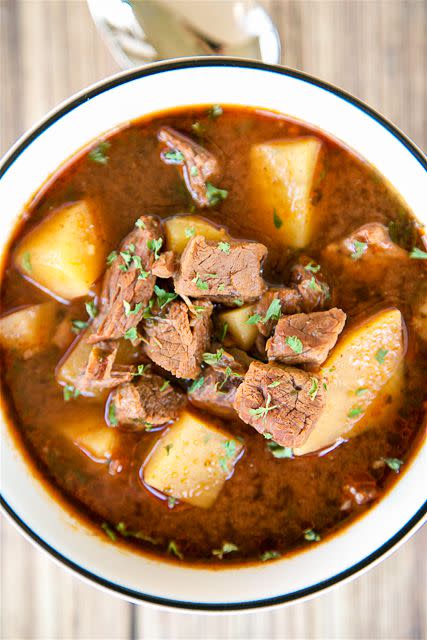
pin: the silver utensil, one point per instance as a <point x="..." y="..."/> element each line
<point x="142" y="31"/>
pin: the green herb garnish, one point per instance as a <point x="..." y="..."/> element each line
<point x="274" y="384"/>
<point x="155" y="245"/>
<point x="381" y="354"/>
<point x="227" y="547"/>
<point x="312" y="266"/>
<point x="99" y="153"/>
<point x="224" y="246"/>
<point x="173" y="549"/>
<point x="128" y="309"/>
<point x="314" y="388"/>
<point x="361" y="390"/>
<point x="278" y="222"/>
<point x="196" y="384"/>
<point x="70" y="392"/>
<point x="418" y="254"/>
<point x="213" y="358"/>
<point x="26" y="262"/>
<point x="140" y="224"/>
<point x="214" y="194"/>
<point x="91" y="309"/>
<point x="294" y="343"/>
<point x="172" y="502"/>
<point x="163" y="297"/>
<point x="174" y="157"/>
<point x="189" y="232"/>
<point x="112" y="418"/>
<point x="262" y="412"/>
<point x="278" y="451"/>
<point x="215" y="111"/>
<point x="141" y="370"/>
<point x="198" y="128"/>
<point x="78" y="325"/>
<point x="131" y="334"/>
<point x="223" y="332"/>
<point x="359" y="249"/>
<point x="269" y="555"/>
<point x="254" y="319"/>
<point x="165" y="385"/>
<point x="111" y="257"/>
<point x="311" y="536"/>
<point x="353" y="413"/>
<point x="274" y="311"/>
<point x="109" y="531"/>
<point x="393" y="463"/>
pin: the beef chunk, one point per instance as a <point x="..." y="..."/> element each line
<point x="165" y="266"/>
<point x="150" y="401"/>
<point x="308" y="280"/>
<point x="376" y="238"/>
<point x="306" y="338"/>
<point x="101" y="372"/>
<point x="283" y="403"/>
<point x="225" y="272"/>
<point x="177" y="339"/>
<point x="198" y="165"/>
<point x="216" y="388"/>
<point x="290" y="302"/>
<point x="128" y="282"/>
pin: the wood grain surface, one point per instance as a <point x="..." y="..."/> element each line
<point x="377" y="50"/>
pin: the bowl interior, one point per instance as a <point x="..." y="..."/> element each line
<point x="73" y="125"/>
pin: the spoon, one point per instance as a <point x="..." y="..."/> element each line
<point x="142" y="31"/>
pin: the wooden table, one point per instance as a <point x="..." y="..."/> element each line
<point x="376" y="50"/>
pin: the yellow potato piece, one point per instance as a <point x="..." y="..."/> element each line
<point x="365" y="360"/>
<point x="180" y="229"/>
<point x="192" y="460"/>
<point x="86" y="427"/>
<point x="243" y="334"/>
<point x="30" y="329"/>
<point x="281" y="178"/>
<point x="66" y="252"/>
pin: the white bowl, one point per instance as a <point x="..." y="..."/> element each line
<point x="72" y="125"/>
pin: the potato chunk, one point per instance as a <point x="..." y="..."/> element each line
<point x="28" y="330"/>
<point x="180" y="229"/>
<point x="192" y="460"/>
<point x="281" y="176"/>
<point x="86" y="427"/>
<point x="366" y="361"/>
<point x="242" y="333"/>
<point x="66" y="252"/>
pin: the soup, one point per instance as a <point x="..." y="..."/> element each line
<point x="213" y="332"/>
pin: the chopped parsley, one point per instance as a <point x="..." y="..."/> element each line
<point x="131" y="334"/>
<point x="164" y="297"/>
<point x="155" y="246"/>
<point x="294" y="343"/>
<point x="70" y="392"/>
<point x="254" y="319"/>
<point x="278" y="222"/>
<point x="314" y="286"/>
<point x="194" y="171"/>
<point x="381" y="354"/>
<point x="269" y="555"/>
<point x="353" y="413"/>
<point x="109" y="531"/>
<point x="311" y="536"/>
<point x="196" y="384"/>
<point x="111" y="257"/>
<point x="99" y="153"/>
<point x="165" y="385"/>
<point x="112" y="418"/>
<point x="124" y="531"/>
<point x="198" y="128"/>
<point x="238" y="302"/>
<point x="227" y="547"/>
<point x="314" y="388"/>
<point x="172" y="502"/>
<point x="224" y="246"/>
<point x="223" y="464"/>
<point x="359" y="249"/>
<point x="274" y="311"/>
<point x="262" y="412"/>
<point x="200" y="284"/>
<point x="174" y="157"/>
<point x="418" y="254"/>
<point x="393" y="463"/>
<point x="274" y="384"/>
<point x="26" y="261"/>
<point x="128" y="309"/>
<point x="361" y="390"/>
<point x="215" y="195"/>
<point x="229" y="373"/>
<point x="312" y="267"/>
<point x="267" y="435"/>
<point x="141" y="370"/>
<point x="213" y="358"/>
<point x="230" y="448"/>
<point x="215" y="111"/>
<point x="223" y="332"/>
<point x="141" y="225"/>
<point x="174" y="550"/>
<point x="78" y="325"/>
<point x="189" y="232"/>
<point x="91" y="309"/>
<point x="278" y="451"/>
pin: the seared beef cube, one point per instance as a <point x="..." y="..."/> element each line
<point x="165" y="266"/>
<point x="307" y="279"/>
<point x="283" y="403"/>
<point x="177" y="339"/>
<point x="150" y="401"/>
<point x="216" y="388"/>
<point x="198" y="165"/>
<point x="290" y="302"/>
<point x="225" y="272"/>
<point x="306" y="338"/>
<point x="101" y="372"/>
<point x="128" y="282"/>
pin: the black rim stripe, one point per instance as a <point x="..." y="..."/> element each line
<point x="10" y="158"/>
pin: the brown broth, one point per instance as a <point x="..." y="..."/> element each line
<point x="268" y="503"/>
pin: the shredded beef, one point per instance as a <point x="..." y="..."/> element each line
<point x="217" y="386"/>
<point x="149" y="401"/>
<point x="198" y="165"/>
<point x="177" y="339"/>
<point x="225" y="272"/>
<point x="306" y="338"/>
<point x="285" y="412"/>
<point x="128" y="283"/>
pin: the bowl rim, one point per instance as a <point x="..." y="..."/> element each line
<point x="6" y="163"/>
